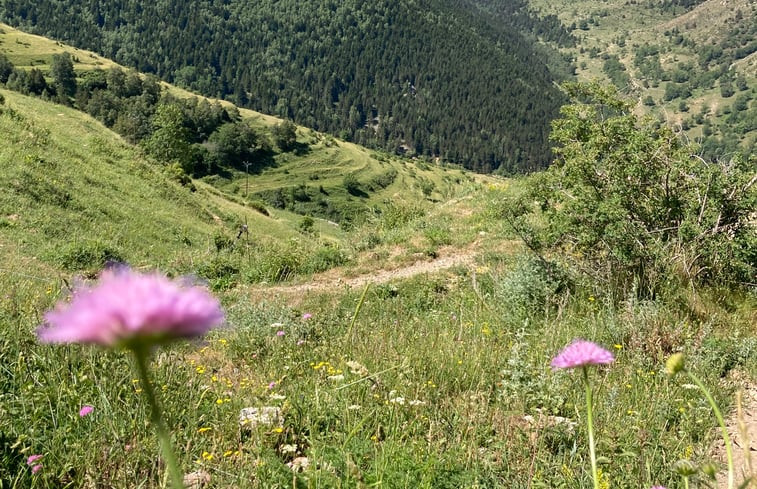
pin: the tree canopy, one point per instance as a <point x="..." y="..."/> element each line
<point x="462" y="81"/>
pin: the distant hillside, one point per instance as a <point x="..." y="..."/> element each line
<point x="432" y="77"/>
<point x="691" y="64"/>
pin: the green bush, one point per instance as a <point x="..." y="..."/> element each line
<point x="88" y="255"/>
<point x="324" y="258"/>
<point x="259" y="206"/>
<point x="637" y="204"/>
<point x="530" y="287"/>
<point x="275" y="264"/>
<point x="221" y="271"/>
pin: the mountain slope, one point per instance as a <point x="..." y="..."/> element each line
<point x="690" y="64"/>
<point x="430" y="77"/>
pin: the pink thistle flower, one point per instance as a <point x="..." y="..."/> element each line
<point x="271" y="385"/>
<point x="85" y="410"/>
<point x="36" y="468"/>
<point x="307" y="315"/>
<point x="280" y="332"/>
<point x="129" y="309"/>
<point x="657" y="487"/>
<point x="33" y="458"/>
<point x="581" y="353"/>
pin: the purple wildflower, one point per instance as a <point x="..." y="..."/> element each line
<point x="657" y="487"/>
<point x="32" y="458"/>
<point x="271" y="385"/>
<point x="128" y="308"/>
<point x="307" y="315"/>
<point x="36" y="468"/>
<point x="280" y="332"/>
<point x="581" y="353"/>
<point x="85" y="410"/>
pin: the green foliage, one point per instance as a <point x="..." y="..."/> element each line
<point x="176" y="173"/>
<point x="30" y="82"/>
<point x="531" y="287"/>
<point x="382" y="180"/>
<point x="259" y="206"/>
<point x="222" y="271"/>
<point x="285" y="135"/>
<point x="64" y="77"/>
<point x="324" y="258"/>
<point x="306" y="225"/>
<point x="6" y="68"/>
<point x="169" y="142"/>
<point x="638" y="204"/>
<point x="394" y="75"/>
<point x="88" y="255"/>
<point x="235" y="142"/>
<point x="275" y="263"/>
<point x="352" y="184"/>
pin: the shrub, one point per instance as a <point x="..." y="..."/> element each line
<point x="221" y="271"/>
<point x="637" y="204"/>
<point x="222" y="242"/>
<point x="351" y="184"/>
<point x="531" y="286"/>
<point x="275" y="264"/>
<point x="259" y="206"/>
<point x="383" y="180"/>
<point x="88" y="255"/>
<point x="306" y="225"/>
<point x="324" y="258"/>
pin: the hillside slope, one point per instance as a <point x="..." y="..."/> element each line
<point x="691" y="64"/>
<point x="430" y="78"/>
<point x="76" y="195"/>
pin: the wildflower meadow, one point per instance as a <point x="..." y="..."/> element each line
<point x="549" y="353"/>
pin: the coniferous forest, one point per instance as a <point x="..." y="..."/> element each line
<point x="462" y="81"/>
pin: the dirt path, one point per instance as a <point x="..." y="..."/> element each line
<point x="447" y="257"/>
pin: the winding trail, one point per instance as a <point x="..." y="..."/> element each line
<point x="448" y="257"/>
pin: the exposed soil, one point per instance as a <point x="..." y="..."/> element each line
<point x="446" y="258"/>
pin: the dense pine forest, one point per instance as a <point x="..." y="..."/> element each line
<point x="459" y="81"/>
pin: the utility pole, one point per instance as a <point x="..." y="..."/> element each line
<point x="247" y="182"/>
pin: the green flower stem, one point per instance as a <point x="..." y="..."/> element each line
<point x="721" y="422"/>
<point x="142" y="355"/>
<point x="590" y="423"/>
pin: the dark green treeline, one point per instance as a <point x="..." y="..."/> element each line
<point x="460" y="80"/>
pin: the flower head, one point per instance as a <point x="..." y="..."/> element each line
<point x="128" y="308"/>
<point x="581" y="353"/>
<point x="307" y="315"/>
<point x="280" y="332"/>
<point x="36" y="468"/>
<point x="675" y="364"/>
<point x="85" y="410"/>
<point x="32" y="458"/>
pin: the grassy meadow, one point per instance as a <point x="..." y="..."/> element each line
<point x="440" y="380"/>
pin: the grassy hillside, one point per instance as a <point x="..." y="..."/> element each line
<point x="691" y="64"/>
<point x="414" y="86"/>
<point x="70" y="182"/>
